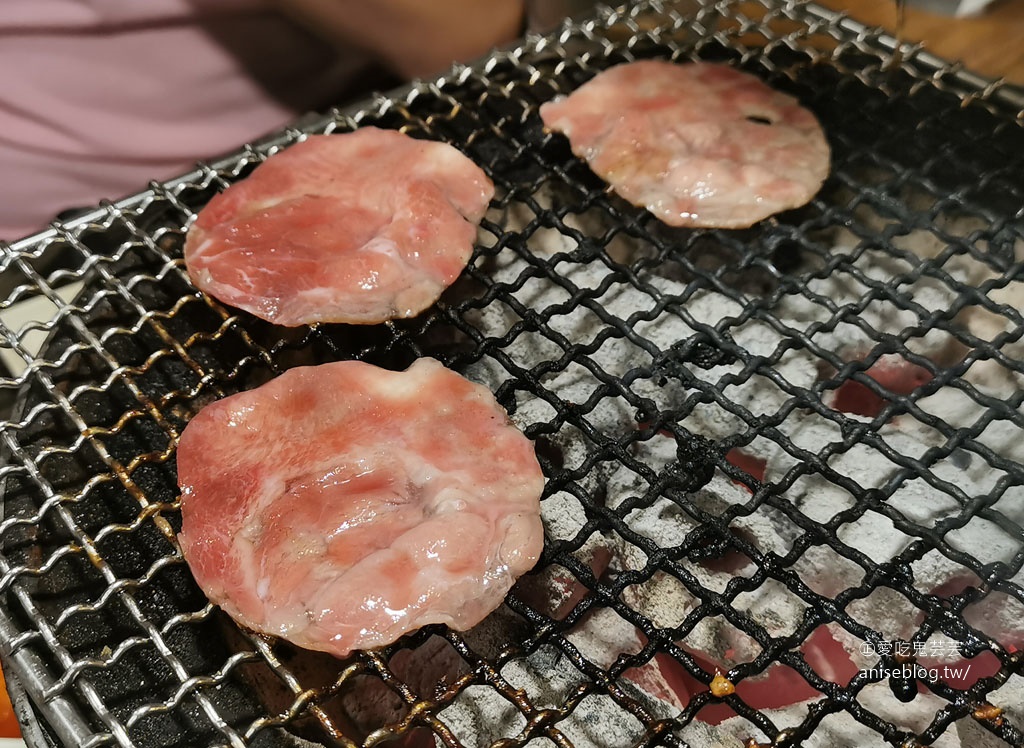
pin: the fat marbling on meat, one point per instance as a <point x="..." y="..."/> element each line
<point x="341" y="506"/>
<point x="698" y="144"/>
<point x="359" y="227"/>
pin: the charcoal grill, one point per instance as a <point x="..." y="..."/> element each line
<point x="789" y="455"/>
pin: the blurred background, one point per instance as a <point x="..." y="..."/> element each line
<point x="989" y="41"/>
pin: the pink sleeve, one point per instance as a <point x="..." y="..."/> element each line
<point x="107" y="95"/>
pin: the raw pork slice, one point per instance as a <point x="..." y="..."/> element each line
<point x="697" y="144"/>
<point x="361" y="228"/>
<point x="341" y="506"/>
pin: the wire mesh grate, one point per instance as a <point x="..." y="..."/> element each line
<point x="784" y="499"/>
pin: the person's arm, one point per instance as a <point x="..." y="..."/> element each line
<point x="413" y="37"/>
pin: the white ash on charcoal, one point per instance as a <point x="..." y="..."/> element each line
<point x="1007" y="512"/>
<point x="913" y="497"/>
<point x="667" y="522"/>
<point x="579" y="392"/>
<point x="914" y="716"/>
<point x="815" y="495"/>
<point x="917" y="500"/>
<point x="852" y="337"/>
<point x="960" y="410"/>
<point x="998" y="616"/>
<point x="549" y="227"/>
<point x="974" y="735"/>
<point x="604" y="636"/>
<point x="863" y="464"/>
<point x="987" y="324"/>
<point x="718" y="398"/>
<point x="948" y="228"/>
<point x="618" y="356"/>
<point x="886" y="611"/>
<point x="564" y="323"/>
<point x="670" y="392"/>
<point x="988" y="374"/>
<point x="480" y="715"/>
<point x="1009" y="699"/>
<point x="564" y="516"/>
<point x="664" y="599"/>
<point x="849" y="334"/>
<point x="939" y="653"/>
<point x="555" y="590"/>
<point x="838" y="730"/>
<point x="953" y="235"/>
<point x="366" y="703"/>
<point x="842" y="729"/>
<point x="950" y="236"/>
<point x="556" y="240"/>
<point x="824" y="655"/>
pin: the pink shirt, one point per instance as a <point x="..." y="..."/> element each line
<point x="98" y="97"/>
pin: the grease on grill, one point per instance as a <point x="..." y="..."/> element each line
<point x="722" y="686"/>
<point x="697" y="352"/>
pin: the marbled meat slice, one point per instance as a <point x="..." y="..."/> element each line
<point x="697" y="144"/>
<point x="360" y="227"/>
<point x="341" y="506"/>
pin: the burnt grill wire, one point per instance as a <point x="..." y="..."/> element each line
<point x="766" y="450"/>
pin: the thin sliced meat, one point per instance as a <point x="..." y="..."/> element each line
<point x="360" y="227"/>
<point x="341" y="506"/>
<point x="697" y="144"/>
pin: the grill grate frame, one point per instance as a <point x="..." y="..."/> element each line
<point x="102" y="624"/>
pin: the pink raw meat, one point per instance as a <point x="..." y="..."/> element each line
<point x="697" y="144"/>
<point x="361" y="228"/>
<point x="341" y="506"/>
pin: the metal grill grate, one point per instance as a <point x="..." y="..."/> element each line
<point x="791" y="453"/>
